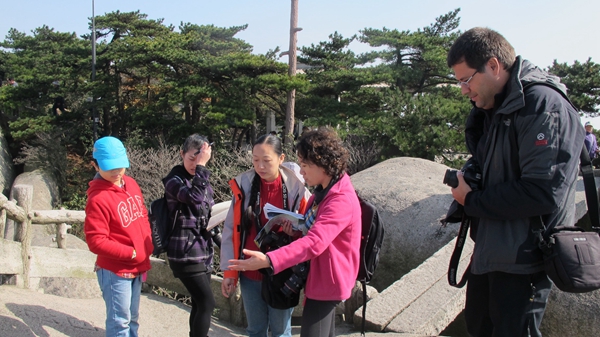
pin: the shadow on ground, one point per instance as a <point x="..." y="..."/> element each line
<point x="37" y="319"/>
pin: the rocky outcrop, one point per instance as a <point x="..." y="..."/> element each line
<point x="45" y="196"/>
<point x="45" y="189"/>
<point x="7" y="171"/>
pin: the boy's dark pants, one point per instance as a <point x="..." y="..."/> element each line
<point x="506" y="305"/>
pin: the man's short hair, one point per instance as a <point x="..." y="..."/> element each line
<point x="478" y="45"/>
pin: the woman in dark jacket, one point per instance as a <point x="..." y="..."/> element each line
<point x="190" y="250"/>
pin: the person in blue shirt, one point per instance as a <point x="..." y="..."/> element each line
<point x="590" y="143"/>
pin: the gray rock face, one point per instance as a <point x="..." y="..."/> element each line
<point x="572" y="315"/>
<point x="45" y="190"/>
<point x="45" y="195"/>
<point x="7" y="171"/>
<point x="411" y="199"/>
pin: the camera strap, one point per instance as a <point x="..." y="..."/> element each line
<point x="255" y="199"/>
<point x="455" y="258"/>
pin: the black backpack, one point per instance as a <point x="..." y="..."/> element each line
<point x="371" y="240"/>
<point x="161" y="225"/>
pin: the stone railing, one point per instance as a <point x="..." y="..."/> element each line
<point x="27" y="264"/>
<point x="20" y="211"/>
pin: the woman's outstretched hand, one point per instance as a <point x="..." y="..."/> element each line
<point x="256" y="261"/>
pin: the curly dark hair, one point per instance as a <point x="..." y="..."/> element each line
<point x="323" y="148"/>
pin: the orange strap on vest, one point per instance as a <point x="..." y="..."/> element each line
<point x="238" y="200"/>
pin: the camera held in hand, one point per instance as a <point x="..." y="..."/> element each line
<point x="296" y="282"/>
<point x="471" y="172"/>
<point x="215" y="234"/>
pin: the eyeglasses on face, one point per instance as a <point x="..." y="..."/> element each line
<point x="466" y="83"/>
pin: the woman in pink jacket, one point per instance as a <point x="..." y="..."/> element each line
<point x="333" y="239"/>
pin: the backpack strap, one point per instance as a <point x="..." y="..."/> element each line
<point x="364" y="311"/>
<point x="177" y="211"/>
<point x="589" y="183"/>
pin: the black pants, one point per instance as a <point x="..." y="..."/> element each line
<point x="506" y="305"/>
<point x="203" y="303"/>
<point x="318" y="318"/>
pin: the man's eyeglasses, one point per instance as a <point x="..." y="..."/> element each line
<point x="466" y="83"/>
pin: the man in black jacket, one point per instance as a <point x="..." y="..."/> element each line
<point x="526" y="137"/>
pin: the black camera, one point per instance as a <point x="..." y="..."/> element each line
<point x="471" y="172"/>
<point x="214" y="234"/>
<point x="295" y="283"/>
<point x="270" y="240"/>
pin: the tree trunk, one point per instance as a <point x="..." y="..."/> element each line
<point x="288" y="137"/>
<point x="233" y="136"/>
<point x="240" y="138"/>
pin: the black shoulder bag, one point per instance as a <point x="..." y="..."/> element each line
<point x="572" y="254"/>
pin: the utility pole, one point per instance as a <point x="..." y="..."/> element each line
<point x="94" y="115"/>
<point x="291" y="96"/>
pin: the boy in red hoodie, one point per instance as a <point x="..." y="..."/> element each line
<point x="117" y="230"/>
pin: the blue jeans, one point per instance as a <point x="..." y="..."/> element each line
<point x="122" y="298"/>
<point x="260" y="316"/>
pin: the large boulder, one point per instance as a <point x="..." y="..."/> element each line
<point x="7" y="170"/>
<point x="412" y="200"/>
<point x="45" y="197"/>
<point x="45" y="189"/>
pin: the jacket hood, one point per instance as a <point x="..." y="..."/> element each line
<point x="525" y="74"/>
<point x="99" y="184"/>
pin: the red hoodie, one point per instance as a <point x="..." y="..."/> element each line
<point x="116" y="223"/>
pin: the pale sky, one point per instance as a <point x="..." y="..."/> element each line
<point x="540" y="30"/>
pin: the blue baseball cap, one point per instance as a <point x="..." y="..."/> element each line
<point x="110" y="154"/>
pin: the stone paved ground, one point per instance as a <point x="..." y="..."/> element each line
<point x="26" y="313"/>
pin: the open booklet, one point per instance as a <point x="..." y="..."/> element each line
<point x="272" y="211"/>
<point x="278" y="216"/>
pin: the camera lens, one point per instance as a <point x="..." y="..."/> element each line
<point x="296" y="282"/>
<point x="216" y="236"/>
